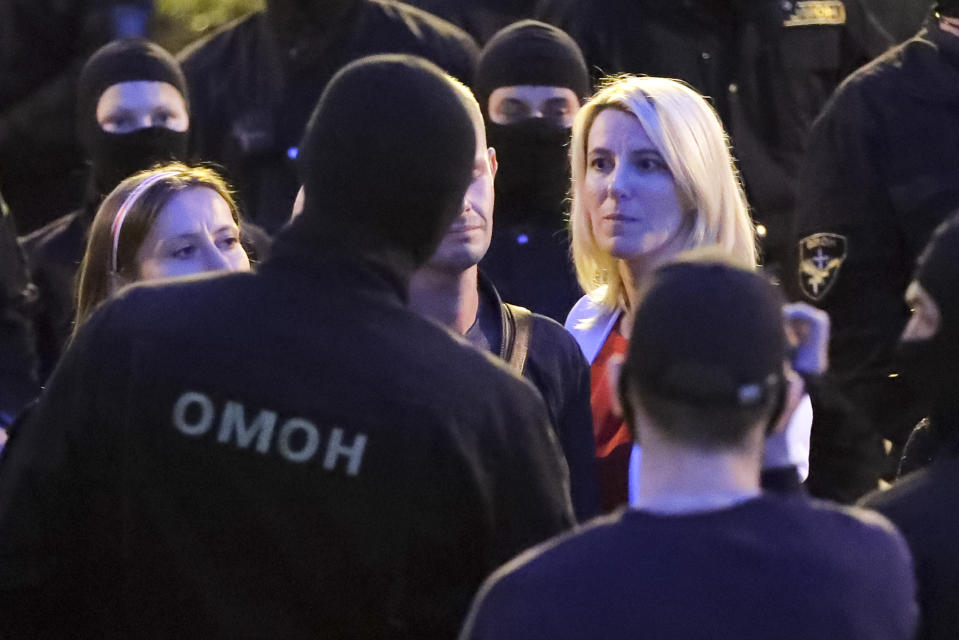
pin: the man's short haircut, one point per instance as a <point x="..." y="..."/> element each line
<point x="476" y="114"/>
<point x="707" y="349"/>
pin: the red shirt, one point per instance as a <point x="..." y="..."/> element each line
<point x="612" y="436"/>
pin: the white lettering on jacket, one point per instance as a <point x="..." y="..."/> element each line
<point x="297" y="440"/>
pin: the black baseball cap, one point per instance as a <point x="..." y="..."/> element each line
<point x="708" y="333"/>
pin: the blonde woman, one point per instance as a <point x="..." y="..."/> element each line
<point x="652" y="176"/>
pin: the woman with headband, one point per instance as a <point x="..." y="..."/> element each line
<point x="171" y="221"/>
<point x="652" y="176"/>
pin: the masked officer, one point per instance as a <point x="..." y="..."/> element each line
<point x="253" y="83"/>
<point x="290" y="453"/>
<point x="530" y="81"/>
<point x="132" y="112"/>
<point x="879" y="176"/>
<point x="922" y="504"/>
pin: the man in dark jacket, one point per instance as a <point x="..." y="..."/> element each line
<point x="253" y="83"/>
<point x="451" y="290"/>
<point x="290" y="453"/>
<point x="768" y="65"/>
<point x="879" y="175"/>
<point x="923" y="503"/>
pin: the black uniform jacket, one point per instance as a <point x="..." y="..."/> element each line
<point x="287" y="454"/>
<point x="556" y="367"/>
<point x="54" y="253"/>
<point x="923" y="506"/>
<point x="768" y="66"/>
<point x="18" y="373"/>
<point x="879" y="176"/>
<point x="250" y="101"/>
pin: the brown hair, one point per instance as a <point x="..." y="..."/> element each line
<point x="97" y="277"/>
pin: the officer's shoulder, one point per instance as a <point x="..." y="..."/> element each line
<point x="911" y="494"/>
<point x="173" y="306"/>
<point x="422" y="23"/>
<point x="881" y="74"/>
<point x="213" y="48"/>
<point x="414" y="15"/>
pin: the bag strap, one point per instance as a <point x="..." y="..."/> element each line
<point x="520" y="320"/>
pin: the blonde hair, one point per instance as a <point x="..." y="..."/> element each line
<point x="158" y="185"/>
<point x="687" y="133"/>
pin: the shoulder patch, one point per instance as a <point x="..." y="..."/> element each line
<point x="820" y="257"/>
<point x="816" y="12"/>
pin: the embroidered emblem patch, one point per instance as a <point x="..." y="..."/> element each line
<point x="816" y="12"/>
<point x="820" y="257"/>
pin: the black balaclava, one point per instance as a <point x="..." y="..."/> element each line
<point x="931" y="367"/>
<point x="533" y="178"/>
<point x="115" y="156"/>
<point x="386" y="159"/>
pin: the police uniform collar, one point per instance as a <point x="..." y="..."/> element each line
<point x="336" y="266"/>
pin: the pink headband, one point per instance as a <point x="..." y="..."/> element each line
<point x="128" y="204"/>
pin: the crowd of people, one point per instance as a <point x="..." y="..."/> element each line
<point x="294" y="365"/>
